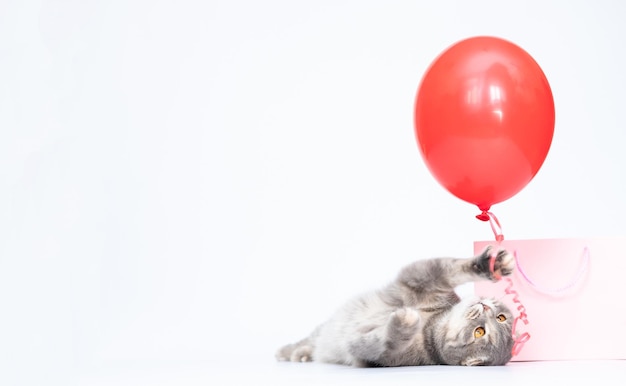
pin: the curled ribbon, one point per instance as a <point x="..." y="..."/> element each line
<point x="523" y="338"/>
<point x="519" y="339"/>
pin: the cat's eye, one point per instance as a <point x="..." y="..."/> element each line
<point x="501" y="318"/>
<point x="479" y="332"/>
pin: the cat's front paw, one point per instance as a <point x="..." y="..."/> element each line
<point x="404" y="322"/>
<point x="503" y="264"/>
<point x="405" y="317"/>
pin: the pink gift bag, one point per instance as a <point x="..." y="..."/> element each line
<point x="573" y="293"/>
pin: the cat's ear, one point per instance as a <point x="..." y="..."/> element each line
<point x="473" y="361"/>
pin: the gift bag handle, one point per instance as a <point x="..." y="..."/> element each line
<point x="560" y="290"/>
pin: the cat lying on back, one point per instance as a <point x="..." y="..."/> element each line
<point x="418" y="320"/>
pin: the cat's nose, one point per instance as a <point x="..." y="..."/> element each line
<point x="486" y="307"/>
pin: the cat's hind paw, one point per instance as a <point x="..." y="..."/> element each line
<point x="295" y="353"/>
<point x="302" y="354"/>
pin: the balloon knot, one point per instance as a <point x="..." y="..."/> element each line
<point x="484" y="216"/>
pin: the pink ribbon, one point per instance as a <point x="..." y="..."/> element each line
<point x="497" y="231"/>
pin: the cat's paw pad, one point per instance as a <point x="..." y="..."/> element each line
<point x="406" y="317"/>
<point x="504" y="264"/>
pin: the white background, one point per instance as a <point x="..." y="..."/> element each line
<point x="203" y="181"/>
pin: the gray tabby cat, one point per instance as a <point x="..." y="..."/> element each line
<point x="418" y="320"/>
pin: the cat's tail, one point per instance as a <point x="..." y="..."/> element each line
<point x="301" y="351"/>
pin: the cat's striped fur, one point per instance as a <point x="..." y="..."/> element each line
<point x="418" y="320"/>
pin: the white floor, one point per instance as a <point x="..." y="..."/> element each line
<point x="271" y="373"/>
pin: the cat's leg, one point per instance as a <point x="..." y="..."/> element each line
<point x="296" y="352"/>
<point x="442" y="275"/>
<point x="373" y="344"/>
<point x="301" y="351"/>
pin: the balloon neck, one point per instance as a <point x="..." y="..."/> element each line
<point x="493" y="221"/>
<point x="484" y="216"/>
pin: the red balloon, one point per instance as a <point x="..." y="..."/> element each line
<point x="484" y="119"/>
